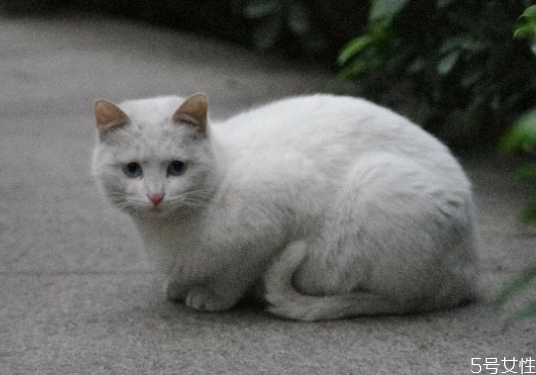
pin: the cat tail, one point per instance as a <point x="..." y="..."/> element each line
<point x="287" y="302"/>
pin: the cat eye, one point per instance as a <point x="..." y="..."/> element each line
<point x="132" y="169"/>
<point x="176" y="168"/>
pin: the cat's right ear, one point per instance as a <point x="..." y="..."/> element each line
<point x="109" y="117"/>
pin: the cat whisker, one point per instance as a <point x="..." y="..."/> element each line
<point x="193" y="200"/>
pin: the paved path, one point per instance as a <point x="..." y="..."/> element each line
<point x="77" y="295"/>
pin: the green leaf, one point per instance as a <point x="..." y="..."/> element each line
<point x="417" y="65"/>
<point x="522" y="137"/>
<point x="526" y="24"/>
<point x="526" y="172"/>
<point x="354" y="47"/>
<point x="518" y="283"/>
<point x="528" y="216"/>
<point x="474" y="44"/>
<point x="526" y="312"/>
<point x="523" y="32"/>
<point x="385" y="10"/>
<point x="447" y="62"/>
<point x="368" y="61"/>
<point x="355" y="70"/>
<point x="373" y="38"/>
<point x="471" y="78"/>
<point x="464" y="42"/>
<point x="261" y="8"/>
<point x="529" y="14"/>
<point x="450" y="45"/>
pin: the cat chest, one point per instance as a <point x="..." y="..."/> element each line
<point x="167" y="245"/>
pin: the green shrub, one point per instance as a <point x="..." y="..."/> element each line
<point x="522" y="138"/>
<point x="456" y="61"/>
<point x="524" y="280"/>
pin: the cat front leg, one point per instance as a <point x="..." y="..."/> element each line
<point x="223" y="290"/>
<point x="174" y="291"/>
<point x="204" y="299"/>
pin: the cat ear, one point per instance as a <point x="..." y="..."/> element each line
<point x="194" y="112"/>
<point x="109" y="117"/>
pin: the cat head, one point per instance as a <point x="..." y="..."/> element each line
<point x="153" y="156"/>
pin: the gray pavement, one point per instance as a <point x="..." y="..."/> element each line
<point x="77" y="295"/>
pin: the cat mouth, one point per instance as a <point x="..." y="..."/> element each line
<point x="156" y="210"/>
<point x="152" y="210"/>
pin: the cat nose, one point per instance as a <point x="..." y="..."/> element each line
<point x="155" y="198"/>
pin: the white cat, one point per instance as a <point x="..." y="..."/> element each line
<point x="337" y="207"/>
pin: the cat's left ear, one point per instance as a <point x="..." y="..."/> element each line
<point x="193" y="112"/>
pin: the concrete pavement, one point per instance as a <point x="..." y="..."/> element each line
<point x="77" y="295"/>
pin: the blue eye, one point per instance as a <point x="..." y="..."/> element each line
<point x="176" y="168"/>
<point x="132" y="169"/>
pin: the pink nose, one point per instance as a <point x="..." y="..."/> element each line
<point x="155" y="198"/>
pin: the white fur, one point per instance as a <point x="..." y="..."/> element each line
<point x="342" y="207"/>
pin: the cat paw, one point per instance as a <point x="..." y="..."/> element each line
<point x="205" y="300"/>
<point x="174" y="292"/>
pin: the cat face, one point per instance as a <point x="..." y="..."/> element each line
<point x="152" y="158"/>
